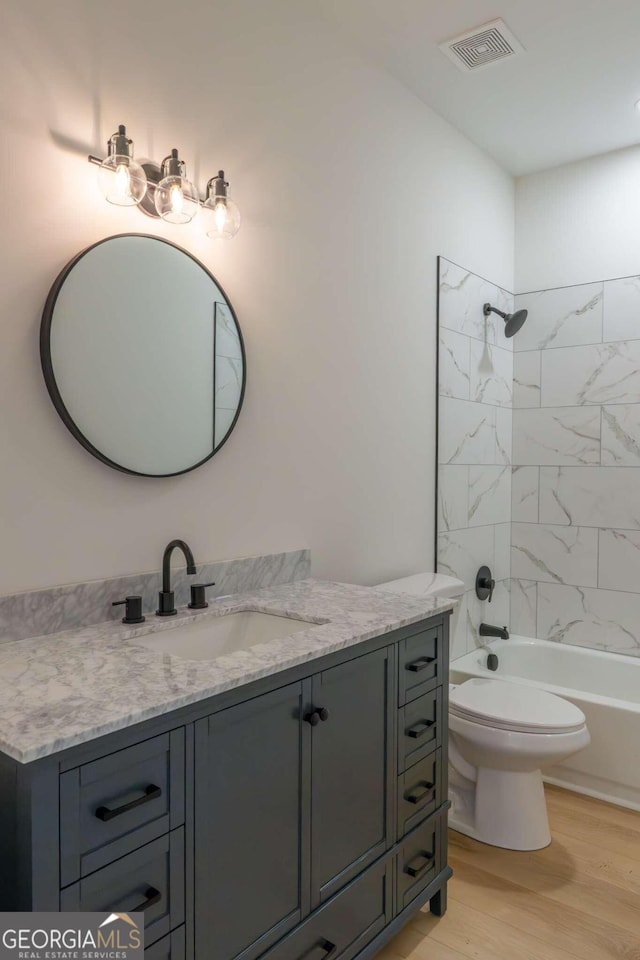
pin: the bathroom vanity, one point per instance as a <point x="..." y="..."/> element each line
<point x="287" y="801"/>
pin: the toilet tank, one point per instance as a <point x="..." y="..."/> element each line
<point x="431" y="585"/>
<point x="425" y="585"/>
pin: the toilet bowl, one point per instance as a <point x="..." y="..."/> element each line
<point x="500" y="736"/>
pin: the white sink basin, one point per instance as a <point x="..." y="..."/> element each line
<point x="211" y="637"/>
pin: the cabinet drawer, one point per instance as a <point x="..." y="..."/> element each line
<point x="345" y="924"/>
<point x="419" y="792"/>
<point x="419" y="662"/>
<point x="420" y="858"/>
<point x="120" y="802"/>
<point x="419" y="728"/>
<point x="151" y="879"/>
<point x="171" y="947"/>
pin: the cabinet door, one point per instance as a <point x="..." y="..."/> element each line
<point x="350" y="770"/>
<point x="248" y="825"/>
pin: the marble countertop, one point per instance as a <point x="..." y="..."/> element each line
<point x="64" y="689"/>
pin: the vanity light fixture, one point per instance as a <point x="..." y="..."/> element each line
<point x="164" y="191"/>
<point x="224" y="216"/>
<point x="122" y="180"/>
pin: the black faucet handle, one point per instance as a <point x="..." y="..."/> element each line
<point x="484" y="584"/>
<point x="198" y="597"/>
<point x="133" y="609"/>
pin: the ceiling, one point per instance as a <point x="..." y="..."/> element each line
<point x="571" y="95"/>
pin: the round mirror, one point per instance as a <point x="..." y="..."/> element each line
<point x="143" y="356"/>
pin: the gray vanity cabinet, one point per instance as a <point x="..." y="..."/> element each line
<point x="299" y="817"/>
<point x="291" y="802"/>
<point x="350" y="759"/>
<point x="250" y="824"/>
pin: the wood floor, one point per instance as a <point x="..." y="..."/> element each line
<point x="577" y="900"/>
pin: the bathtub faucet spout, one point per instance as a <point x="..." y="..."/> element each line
<point x="488" y="630"/>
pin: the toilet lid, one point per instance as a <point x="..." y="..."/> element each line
<point x="512" y="706"/>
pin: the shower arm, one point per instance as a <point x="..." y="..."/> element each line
<point x="487" y="309"/>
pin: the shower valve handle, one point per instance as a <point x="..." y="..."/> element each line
<point x="484" y="584"/>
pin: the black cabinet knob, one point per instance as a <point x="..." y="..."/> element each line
<point x="317" y="715"/>
<point x="133" y="609"/>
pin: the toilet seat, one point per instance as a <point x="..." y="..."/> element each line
<point x="514" y="707"/>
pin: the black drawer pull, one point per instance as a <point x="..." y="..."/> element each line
<point x="420" y="664"/>
<point x="419" y="793"/>
<point x="417" y="866"/>
<point x="419" y="729"/>
<point x="325" y="945"/>
<point x="150" y="793"/>
<point x="153" y="896"/>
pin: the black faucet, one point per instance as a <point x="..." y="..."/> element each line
<point x="166" y="598"/>
<point x="488" y="630"/>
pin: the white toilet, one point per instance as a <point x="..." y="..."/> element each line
<point x="501" y="734"/>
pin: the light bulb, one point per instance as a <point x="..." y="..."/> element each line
<point x="177" y="199"/>
<point x="123" y="181"/>
<point x="122" y="187"/>
<point x="220" y="215"/>
<point x="223" y="214"/>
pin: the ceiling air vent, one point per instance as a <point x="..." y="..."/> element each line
<point x="482" y="47"/>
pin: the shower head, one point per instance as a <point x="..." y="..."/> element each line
<point x="512" y="321"/>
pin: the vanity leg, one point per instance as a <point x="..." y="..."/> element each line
<point x="438" y="902"/>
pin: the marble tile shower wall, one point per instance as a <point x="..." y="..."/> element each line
<point x="575" y="486"/>
<point x="474" y="445"/>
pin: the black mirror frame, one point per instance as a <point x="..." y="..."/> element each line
<point x="49" y="375"/>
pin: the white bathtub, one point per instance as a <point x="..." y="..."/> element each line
<point x="606" y="687"/>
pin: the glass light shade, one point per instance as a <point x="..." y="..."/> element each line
<point x="223" y="218"/>
<point x="122" y="180"/>
<point x="177" y="200"/>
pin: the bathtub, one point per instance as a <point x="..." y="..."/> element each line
<point x="606" y="687"/>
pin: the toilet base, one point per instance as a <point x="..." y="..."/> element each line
<point x="502" y="808"/>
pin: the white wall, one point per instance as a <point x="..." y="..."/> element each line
<point x="578" y="223"/>
<point x="349" y="187"/>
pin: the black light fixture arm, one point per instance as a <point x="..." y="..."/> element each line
<point x="119" y="145"/>
<point x="172" y="166"/>
<point x="217" y="186"/>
